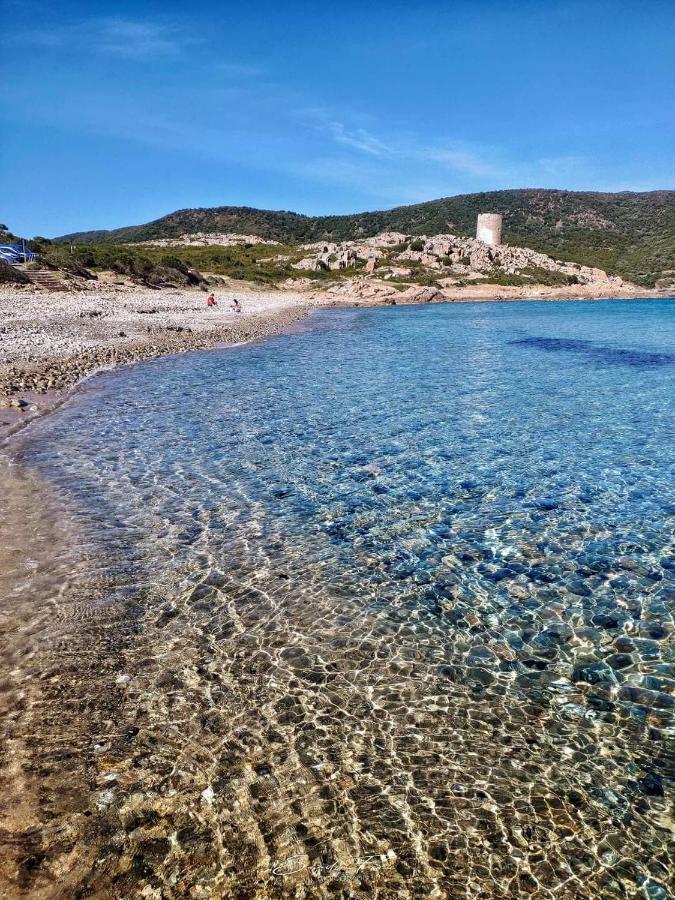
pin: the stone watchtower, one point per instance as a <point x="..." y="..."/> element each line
<point x="489" y="229"/>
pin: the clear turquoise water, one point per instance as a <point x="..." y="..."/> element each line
<point x="403" y="587"/>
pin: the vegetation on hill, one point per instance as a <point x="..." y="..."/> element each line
<point x="6" y="236"/>
<point x="257" y="263"/>
<point x="627" y="234"/>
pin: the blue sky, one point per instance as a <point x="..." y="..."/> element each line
<point x="121" y="112"/>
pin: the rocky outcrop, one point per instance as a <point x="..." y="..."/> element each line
<point x="422" y="295"/>
<point x="395" y="255"/>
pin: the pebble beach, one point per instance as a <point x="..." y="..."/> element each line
<point x="51" y="340"/>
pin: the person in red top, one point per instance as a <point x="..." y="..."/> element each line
<point x="211" y="300"/>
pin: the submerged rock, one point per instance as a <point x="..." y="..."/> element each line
<point x="593" y="672"/>
<point x="651" y="785"/>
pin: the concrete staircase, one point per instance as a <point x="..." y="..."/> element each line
<point x="45" y="278"/>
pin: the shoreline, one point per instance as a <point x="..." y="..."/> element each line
<point x="556" y="296"/>
<point x="42" y="384"/>
<point x="362" y="291"/>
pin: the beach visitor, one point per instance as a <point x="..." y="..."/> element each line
<point x="236" y="305"/>
<point x="211" y="300"/>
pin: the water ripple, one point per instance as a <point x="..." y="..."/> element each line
<point x="399" y="606"/>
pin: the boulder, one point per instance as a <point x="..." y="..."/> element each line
<point x="422" y="295"/>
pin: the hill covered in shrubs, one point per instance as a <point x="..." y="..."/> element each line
<point x="626" y="234"/>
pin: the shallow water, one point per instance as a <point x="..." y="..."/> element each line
<point x="380" y="608"/>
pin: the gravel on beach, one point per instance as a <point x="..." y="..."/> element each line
<point x="49" y="340"/>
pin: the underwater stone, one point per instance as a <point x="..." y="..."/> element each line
<point x="624" y="644"/>
<point x="645" y="697"/>
<point x="655" y="891"/>
<point x="559" y="633"/>
<point x="579" y="588"/>
<point x="592" y="672"/>
<point x="600" y="703"/>
<point x="620" y="660"/>
<point x="651" y="785"/>
<point x="546" y="503"/>
<point x="481" y="654"/>
<point x="657" y="632"/>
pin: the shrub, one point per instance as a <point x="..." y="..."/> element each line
<point x="10" y="275"/>
<point x="171" y="261"/>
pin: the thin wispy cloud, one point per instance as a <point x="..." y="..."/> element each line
<point x="561" y="166"/>
<point x="126" y="38"/>
<point x="136" y="39"/>
<point x="359" y="139"/>
<point x="237" y="69"/>
<point x="461" y="160"/>
<point x="479" y="163"/>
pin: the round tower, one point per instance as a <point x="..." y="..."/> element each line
<point x="489" y="229"/>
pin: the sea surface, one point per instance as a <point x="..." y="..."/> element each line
<point x="379" y="608"/>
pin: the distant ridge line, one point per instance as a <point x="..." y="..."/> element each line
<point x="628" y="233"/>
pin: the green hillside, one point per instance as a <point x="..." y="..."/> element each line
<point x="628" y="234"/>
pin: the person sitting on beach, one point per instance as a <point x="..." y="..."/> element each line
<point x="211" y="300"/>
<point x="236" y="305"/>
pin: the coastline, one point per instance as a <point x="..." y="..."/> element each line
<point x="365" y="293"/>
<point x="51" y="342"/>
<point x="46" y="354"/>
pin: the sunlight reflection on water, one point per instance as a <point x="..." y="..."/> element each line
<point x="403" y="585"/>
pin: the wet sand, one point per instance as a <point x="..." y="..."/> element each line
<point x="44" y="703"/>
